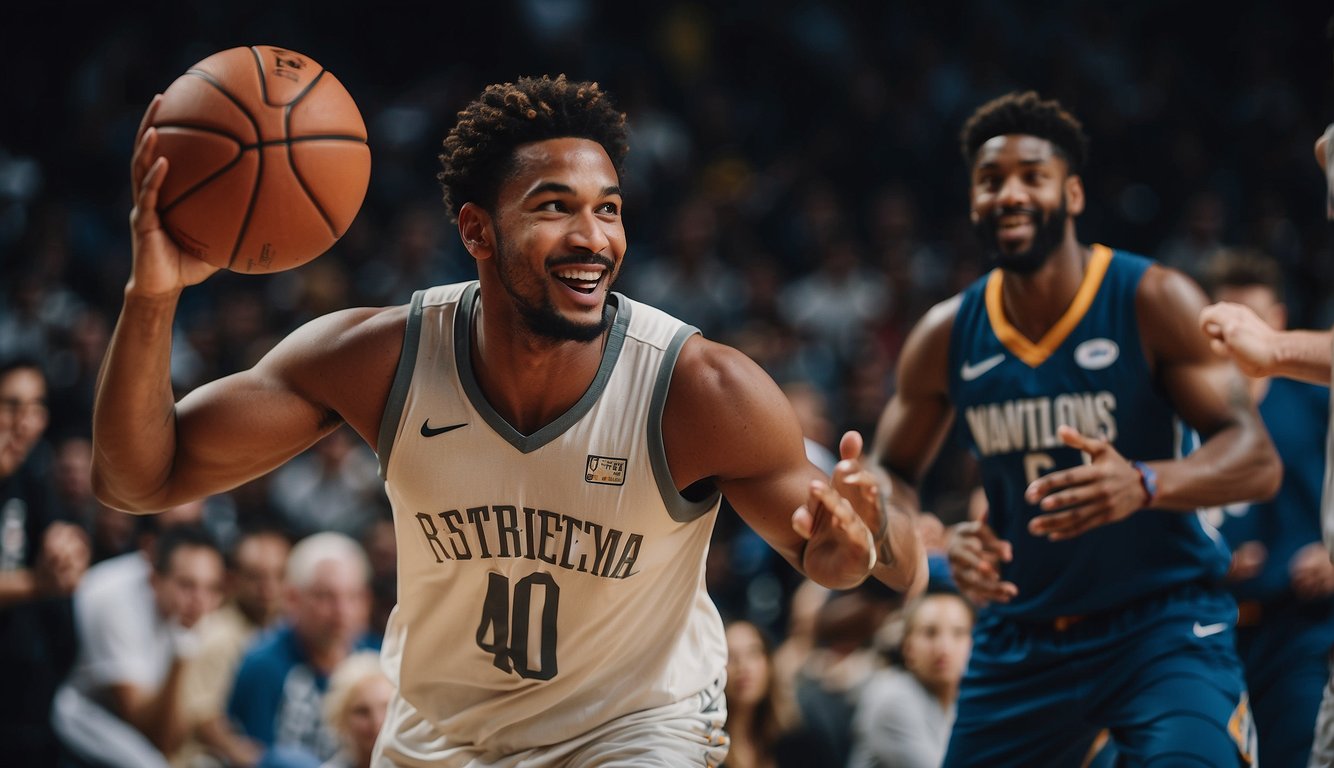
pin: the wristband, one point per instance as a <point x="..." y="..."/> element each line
<point x="1148" y="480"/>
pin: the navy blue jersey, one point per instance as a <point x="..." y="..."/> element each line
<point x="1296" y="415"/>
<point x="1090" y="372"/>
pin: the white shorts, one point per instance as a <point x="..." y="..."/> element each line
<point x="687" y="734"/>
<point x="1322" y="751"/>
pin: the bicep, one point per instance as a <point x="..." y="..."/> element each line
<point x="241" y="426"/>
<point x="727" y="421"/>
<point x="1207" y="391"/>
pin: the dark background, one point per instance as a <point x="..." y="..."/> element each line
<point x="789" y="160"/>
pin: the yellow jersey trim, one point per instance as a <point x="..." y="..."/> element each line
<point x="1035" y="354"/>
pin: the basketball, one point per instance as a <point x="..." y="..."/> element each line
<point x="268" y="162"/>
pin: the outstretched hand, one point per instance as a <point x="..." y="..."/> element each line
<point x="841" y="521"/>
<point x="161" y="268"/>
<point x="1102" y="491"/>
<point x="1236" y="331"/>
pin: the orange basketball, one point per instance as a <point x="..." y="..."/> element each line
<point x="268" y="159"/>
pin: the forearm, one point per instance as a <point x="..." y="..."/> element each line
<point x="217" y="735"/>
<point x="901" y="557"/>
<point x="134" y="424"/>
<point x="1235" y="464"/>
<point x="160" y="718"/>
<point x="1304" y="355"/>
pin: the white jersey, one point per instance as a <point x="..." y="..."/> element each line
<point x="548" y="583"/>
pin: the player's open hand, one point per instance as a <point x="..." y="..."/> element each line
<point x="1076" y="500"/>
<point x="862" y="485"/>
<point x="840" y="548"/>
<point x="975" y="556"/>
<point x="160" y="267"/>
<point x="1236" y="331"/>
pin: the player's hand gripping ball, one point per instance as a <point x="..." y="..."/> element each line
<point x="268" y="159"/>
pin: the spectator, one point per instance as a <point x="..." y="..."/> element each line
<point x="762" y="723"/>
<point x="42" y="559"/>
<point x="905" y="713"/>
<point x="277" y="698"/>
<point x="136" y="617"/>
<point x="254" y="585"/>
<point x="838" y="667"/>
<point x="354" y="707"/>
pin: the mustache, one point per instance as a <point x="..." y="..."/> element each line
<point x="1033" y="213"/>
<point x="581" y="258"/>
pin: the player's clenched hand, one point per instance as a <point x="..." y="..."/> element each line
<point x="1235" y="331"/>
<point x="1311" y="571"/>
<point x="975" y="557"/>
<point x="1076" y="500"/>
<point x="160" y="267"/>
<point x="840" y="549"/>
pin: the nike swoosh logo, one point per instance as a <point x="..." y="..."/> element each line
<point x="1205" y="630"/>
<point x="429" y="431"/>
<point x="971" y="371"/>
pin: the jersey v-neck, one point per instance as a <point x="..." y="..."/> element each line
<point x="466" y="309"/>
<point x="1035" y="353"/>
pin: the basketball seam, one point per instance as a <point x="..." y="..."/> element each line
<point x="259" y="170"/>
<point x="291" y="161"/>
<point x="202" y="183"/>
<point x="205" y="181"/>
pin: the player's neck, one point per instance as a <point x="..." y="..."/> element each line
<point x="1035" y="302"/>
<point x="527" y="379"/>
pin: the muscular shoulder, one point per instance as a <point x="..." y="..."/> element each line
<point x="722" y="411"/>
<point x="924" y="362"/>
<point x="1167" y="305"/>
<point x="344" y="361"/>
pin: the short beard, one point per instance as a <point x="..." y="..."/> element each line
<point x="542" y="319"/>
<point x="1047" y="237"/>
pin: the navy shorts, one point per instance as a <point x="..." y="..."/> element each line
<point x="1160" y="675"/>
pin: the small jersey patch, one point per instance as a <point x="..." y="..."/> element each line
<point x="605" y="470"/>
<point x="1096" y="354"/>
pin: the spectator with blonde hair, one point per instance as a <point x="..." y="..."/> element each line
<point x="354" y="707"/>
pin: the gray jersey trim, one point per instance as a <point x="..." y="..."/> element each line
<point x="529" y="443"/>
<point x="398" y="392"/>
<point x="681" y="509"/>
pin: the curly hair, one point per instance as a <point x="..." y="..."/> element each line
<point x="1026" y="113"/>
<point x="480" y="149"/>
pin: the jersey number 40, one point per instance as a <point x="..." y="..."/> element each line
<point x="507" y="624"/>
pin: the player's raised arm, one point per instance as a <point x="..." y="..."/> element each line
<point x="727" y="422"/>
<point x="149" y="452"/>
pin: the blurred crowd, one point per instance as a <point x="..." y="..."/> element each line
<point x="794" y="188"/>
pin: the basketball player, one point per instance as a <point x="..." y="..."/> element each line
<point x="1070" y="367"/>
<point x="555" y="454"/>
<point x="1262" y="350"/>
<point x="1285" y="601"/>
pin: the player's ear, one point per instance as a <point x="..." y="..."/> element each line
<point x="475" y="230"/>
<point x="1074" y="195"/>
